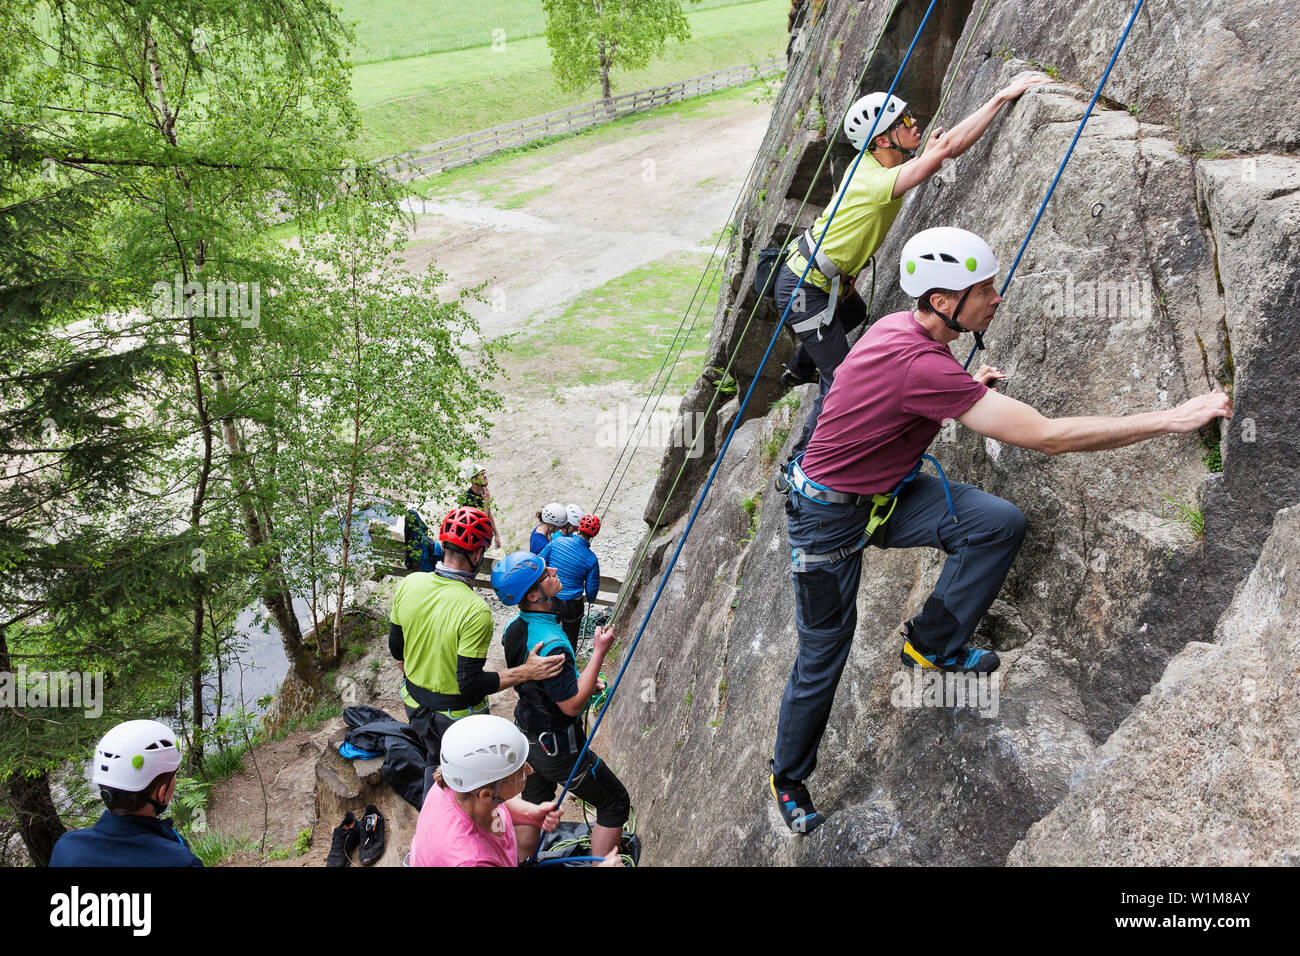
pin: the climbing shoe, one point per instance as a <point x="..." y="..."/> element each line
<point x="782" y="480"/>
<point x="792" y="379"/>
<point x="372" y="836"/>
<point x="966" y="660"/>
<point x="796" y="806"/>
<point x="346" y="837"/>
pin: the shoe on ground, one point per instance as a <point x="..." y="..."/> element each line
<point x="373" y="842"/>
<point x="346" y="837"/>
<point x="796" y="806"/>
<point x="967" y="660"/>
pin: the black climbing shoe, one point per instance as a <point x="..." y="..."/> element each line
<point x="969" y="660"/>
<point x="796" y="806"/>
<point x="346" y="837"/>
<point x="372" y="836"/>
<point x="792" y="379"/>
<point x="782" y="481"/>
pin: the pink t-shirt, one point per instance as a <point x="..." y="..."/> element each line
<point x="446" y="836"/>
<point x="891" y="395"/>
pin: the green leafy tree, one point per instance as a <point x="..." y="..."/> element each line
<point x="591" y="38"/>
<point x="157" y="435"/>
<point x="78" y="567"/>
<point x="144" y="147"/>
<point x="403" y="404"/>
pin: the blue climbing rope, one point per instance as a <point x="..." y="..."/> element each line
<point x="740" y="415"/>
<point x="1077" y="133"/>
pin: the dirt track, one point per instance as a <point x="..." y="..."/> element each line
<point x="560" y="222"/>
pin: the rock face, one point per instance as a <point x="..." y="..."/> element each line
<point x="1155" y="274"/>
<point x="1206" y="770"/>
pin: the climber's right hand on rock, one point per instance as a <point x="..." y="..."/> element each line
<point x="541" y="668"/>
<point x="1012" y="91"/>
<point x="1200" y="411"/>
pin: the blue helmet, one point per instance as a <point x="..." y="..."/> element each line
<point x="515" y="574"/>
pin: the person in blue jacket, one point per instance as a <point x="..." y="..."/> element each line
<point x="550" y="520"/>
<point x="135" y="770"/>
<point x="579" y="572"/>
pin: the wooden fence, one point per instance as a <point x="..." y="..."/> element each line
<point x="470" y="147"/>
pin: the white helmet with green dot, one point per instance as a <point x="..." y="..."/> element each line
<point x="945" y="258"/>
<point x="135" y="753"/>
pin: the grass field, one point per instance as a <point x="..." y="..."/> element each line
<point x="411" y="102"/>
<point x="621" y="331"/>
<point x="388" y="29"/>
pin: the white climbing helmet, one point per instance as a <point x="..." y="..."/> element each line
<point x="133" y="754"/>
<point x="470" y="469"/>
<point x="481" y="749"/>
<point x="944" y="258"/>
<point x="575" y="514"/>
<point x="863" y="112"/>
<point x="554" y="513"/>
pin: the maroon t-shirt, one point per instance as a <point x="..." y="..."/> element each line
<point x="889" y="399"/>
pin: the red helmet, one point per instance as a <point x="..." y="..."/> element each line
<point x="589" y="525"/>
<point x="467" y="528"/>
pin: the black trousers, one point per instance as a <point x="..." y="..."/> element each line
<point x="825" y="352"/>
<point x="594" y="783"/>
<point x="571" y="614"/>
<point x="430" y="725"/>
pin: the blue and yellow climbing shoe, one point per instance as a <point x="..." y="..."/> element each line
<point x="796" y="806"/>
<point x="967" y="660"/>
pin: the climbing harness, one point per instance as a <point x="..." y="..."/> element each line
<point x="882" y="507"/>
<point x="812" y="253"/>
<point x="979" y="344"/>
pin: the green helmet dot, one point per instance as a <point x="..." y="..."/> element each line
<point x="971" y="264"/>
<point x="137" y="761"/>
<point x="911" y="266"/>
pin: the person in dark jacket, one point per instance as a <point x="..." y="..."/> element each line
<point x="579" y="572"/>
<point x="135" y="770"/>
<point x="478" y="496"/>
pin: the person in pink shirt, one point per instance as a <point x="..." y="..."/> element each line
<point x="470" y="812"/>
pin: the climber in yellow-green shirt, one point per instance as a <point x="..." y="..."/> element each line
<point x="825" y="308"/>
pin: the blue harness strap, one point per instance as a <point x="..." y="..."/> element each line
<point x="800" y="559"/>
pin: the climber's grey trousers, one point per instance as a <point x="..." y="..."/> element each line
<point x="980" y="548"/>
